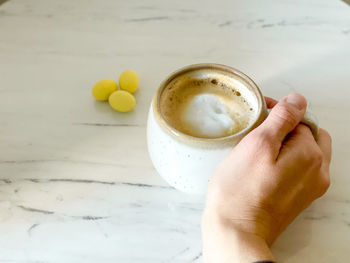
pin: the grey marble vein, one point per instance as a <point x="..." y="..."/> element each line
<point x="85" y="181"/>
<point x="35" y="210"/>
<point x="3" y="1"/>
<point x="266" y="23"/>
<point x="6" y="181"/>
<point x="92" y="218"/>
<point x="147" y="185"/>
<point x="30" y="229"/>
<point x="47" y="212"/>
<point x="197" y="257"/>
<point x="146" y="19"/>
<point x="67" y="180"/>
<point x="33" y="161"/>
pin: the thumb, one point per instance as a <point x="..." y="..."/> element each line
<point x="284" y="117"/>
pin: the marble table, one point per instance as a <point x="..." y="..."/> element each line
<point x="76" y="182"/>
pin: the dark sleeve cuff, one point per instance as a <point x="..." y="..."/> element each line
<point x="264" y="261"/>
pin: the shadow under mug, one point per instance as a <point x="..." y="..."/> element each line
<point x="186" y="162"/>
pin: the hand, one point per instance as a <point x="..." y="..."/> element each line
<point x="271" y="176"/>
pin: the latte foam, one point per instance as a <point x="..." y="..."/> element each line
<point x="205" y="109"/>
<point x="207" y="116"/>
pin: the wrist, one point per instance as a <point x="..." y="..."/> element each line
<point x="223" y="242"/>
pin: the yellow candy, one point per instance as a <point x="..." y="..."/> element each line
<point x="122" y="101"/>
<point x="103" y="89"/>
<point x="129" y="81"/>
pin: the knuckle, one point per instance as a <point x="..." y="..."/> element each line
<point x="313" y="156"/>
<point x="303" y="129"/>
<point x="317" y="158"/>
<point x="325" y="184"/>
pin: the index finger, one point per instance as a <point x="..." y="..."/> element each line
<point x="270" y="102"/>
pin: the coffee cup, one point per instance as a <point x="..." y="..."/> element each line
<point x="185" y="156"/>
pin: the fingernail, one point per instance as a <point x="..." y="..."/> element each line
<point x="296" y="100"/>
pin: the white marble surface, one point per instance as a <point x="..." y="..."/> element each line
<point x="76" y="182"/>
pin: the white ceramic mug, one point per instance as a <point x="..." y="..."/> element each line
<point x="186" y="162"/>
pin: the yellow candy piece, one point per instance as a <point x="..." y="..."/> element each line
<point x="122" y="101"/>
<point x="103" y="89"/>
<point x="129" y="81"/>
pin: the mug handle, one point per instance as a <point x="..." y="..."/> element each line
<point x="309" y="120"/>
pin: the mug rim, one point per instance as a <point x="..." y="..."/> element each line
<point x="178" y="134"/>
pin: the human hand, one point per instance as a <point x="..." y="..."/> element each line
<point x="272" y="175"/>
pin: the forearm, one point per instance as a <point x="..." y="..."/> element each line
<point x="223" y="243"/>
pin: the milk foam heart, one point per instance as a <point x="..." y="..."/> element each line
<point x="206" y="115"/>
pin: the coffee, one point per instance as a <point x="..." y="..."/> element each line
<point x="205" y="108"/>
